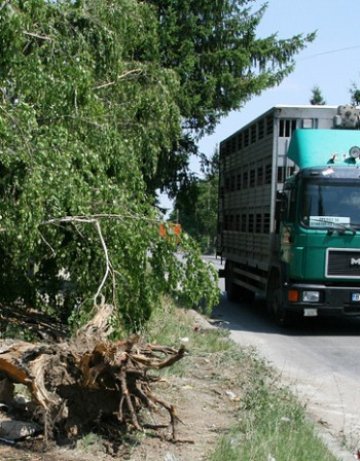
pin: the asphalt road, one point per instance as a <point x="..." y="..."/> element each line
<point x="319" y="360"/>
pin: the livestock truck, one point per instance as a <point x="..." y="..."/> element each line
<point x="289" y="211"/>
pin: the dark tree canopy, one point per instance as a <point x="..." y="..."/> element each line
<point x="220" y="62"/>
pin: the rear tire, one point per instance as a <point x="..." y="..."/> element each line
<point x="236" y="292"/>
<point x="232" y="290"/>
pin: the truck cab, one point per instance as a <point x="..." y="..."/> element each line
<point x="319" y="241"/>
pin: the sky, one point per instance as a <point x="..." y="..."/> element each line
<point x="331" y="62"/>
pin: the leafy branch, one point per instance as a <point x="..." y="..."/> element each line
<point x="120" y="77"/>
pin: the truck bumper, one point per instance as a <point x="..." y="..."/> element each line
<point x="333" y="300"/>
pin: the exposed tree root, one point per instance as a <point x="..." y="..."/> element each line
<point x="87" y="380"/>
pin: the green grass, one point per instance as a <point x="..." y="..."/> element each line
<point x="172" y="326"/>
<point x="272" y="424"/>
<point x="91" y="443"/>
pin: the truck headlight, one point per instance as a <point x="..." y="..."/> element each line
<point x="311" y="296"/>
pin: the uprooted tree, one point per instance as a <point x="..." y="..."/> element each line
<point x="88" y="382"/>
<point x="93" y="99"/>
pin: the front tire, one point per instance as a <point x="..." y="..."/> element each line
<point x="275" y="302"/>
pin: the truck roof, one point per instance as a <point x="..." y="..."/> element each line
<point x="316" y="147"/>
<point x="304" y="106"/>
<point x="289" y="110"/>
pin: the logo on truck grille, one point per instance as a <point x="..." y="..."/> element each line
<point x="355" y="262"/>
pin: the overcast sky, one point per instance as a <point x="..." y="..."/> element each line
<point x="331" y="62"/>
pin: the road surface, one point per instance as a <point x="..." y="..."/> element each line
<point x="319" y="360"/>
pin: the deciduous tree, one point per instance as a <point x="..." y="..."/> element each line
<point x="196" y="205"/>
<point x="85" y="108"/>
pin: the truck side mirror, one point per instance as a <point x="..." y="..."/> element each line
<point x="280" y="206"/>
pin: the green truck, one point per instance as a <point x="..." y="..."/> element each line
<point x="289" y="211"/>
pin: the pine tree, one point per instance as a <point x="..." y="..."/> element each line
<point x="317" y="98"/>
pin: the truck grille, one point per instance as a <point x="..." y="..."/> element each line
<point x="343" y="263"/>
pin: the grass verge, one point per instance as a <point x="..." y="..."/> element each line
<point x="270" y="424"/>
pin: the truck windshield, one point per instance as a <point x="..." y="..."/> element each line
<point x="333" y="205"/>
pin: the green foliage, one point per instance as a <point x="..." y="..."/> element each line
<point x="94" y="99"/>
<point x="85" y="109"/>
<point x="197" y="203"/>
<point x="220" y="62"/>
<point x="317" y="97"/>
<point x="355" y="94"/>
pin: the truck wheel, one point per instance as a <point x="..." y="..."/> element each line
<point x="235" y="292"/>
<point x="232" y="290"/>
<point x="275" y="303"/>
<point x="247" y="295"/>
<point x="282" y="317"/>
<point x="277" y="309"/>
<point x="272" y="286"/>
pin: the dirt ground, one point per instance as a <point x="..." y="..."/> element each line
<point x="206" y="398"/>
<point x="206" y="404"/>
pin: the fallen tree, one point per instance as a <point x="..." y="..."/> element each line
<point x="87" y="381"/>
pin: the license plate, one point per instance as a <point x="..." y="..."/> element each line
<point x="355" y="297"/>
<point x="309" y="312"/>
